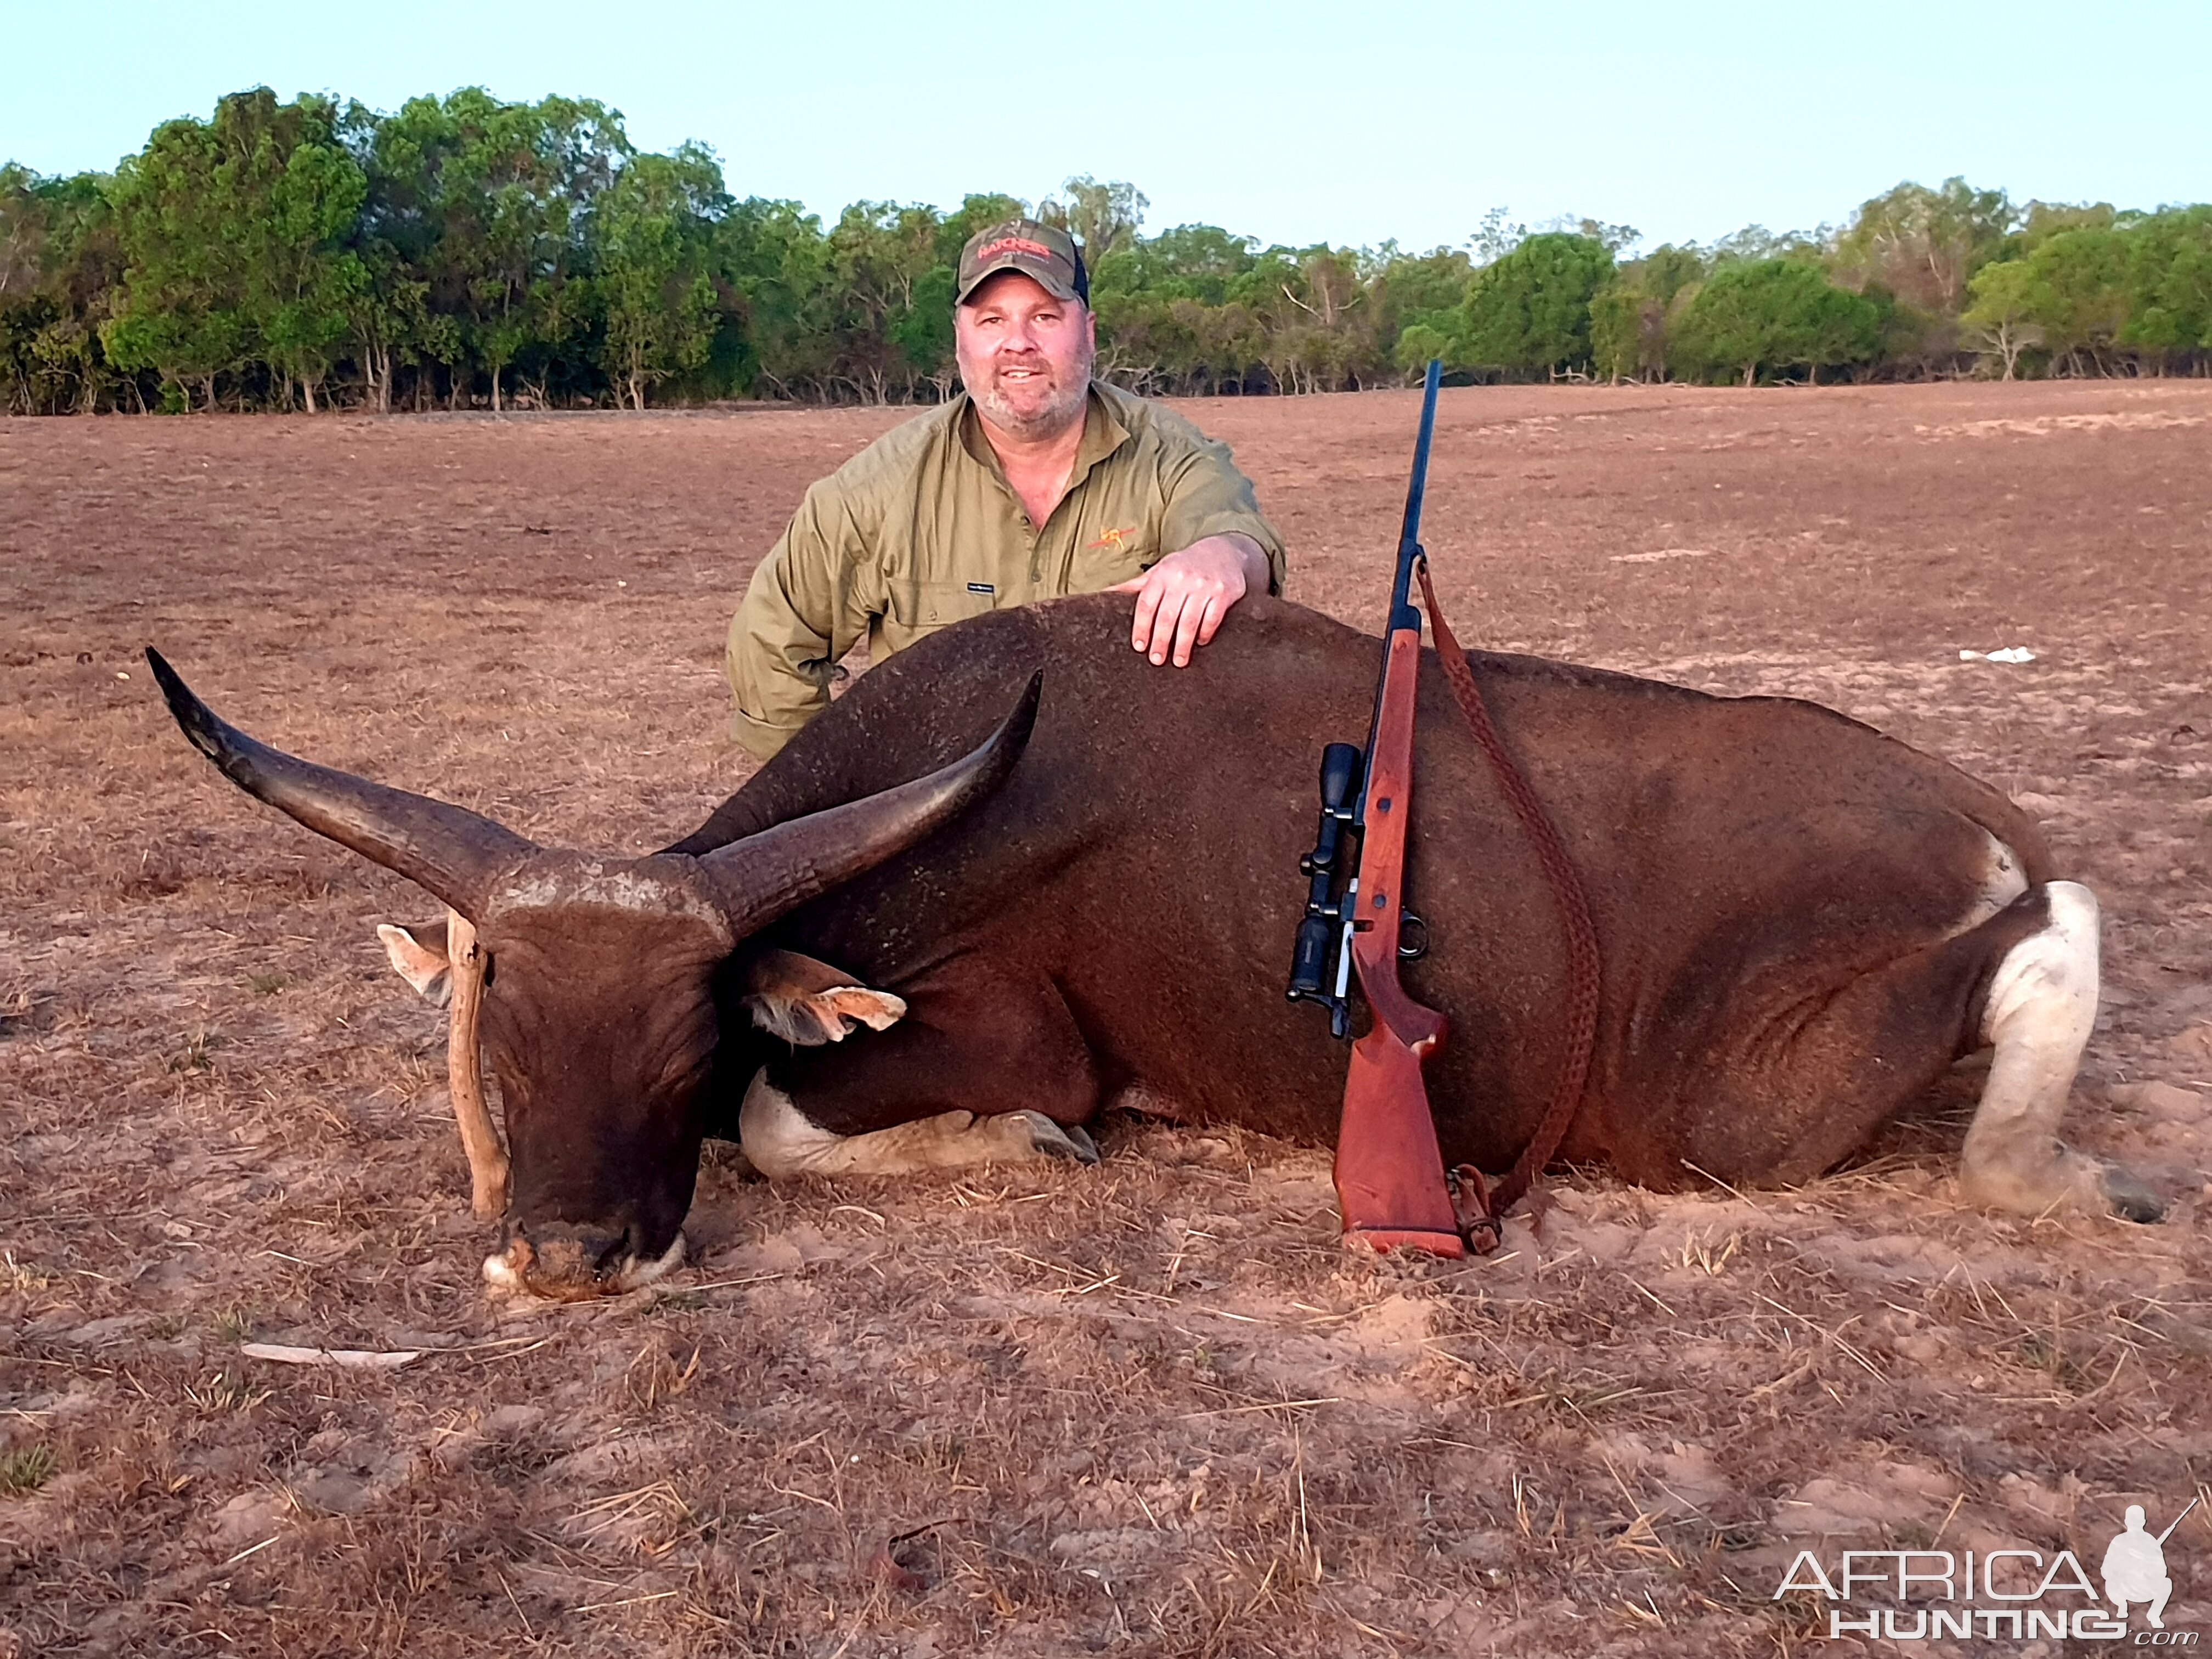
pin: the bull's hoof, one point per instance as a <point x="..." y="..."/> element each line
<point x="2129" y="1198"/>
<point x="1050" y="1139"/>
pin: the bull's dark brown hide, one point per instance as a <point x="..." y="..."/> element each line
<point x="1772" y="884"/>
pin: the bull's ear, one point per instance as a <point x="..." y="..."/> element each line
<point x="809" y="1003"/>
<point x="418" y="955"/>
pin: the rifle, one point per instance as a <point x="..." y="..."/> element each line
<point x="1390" y="1170"/>
<point x="2178" y="1520"/>
<point x="1390" y="1184"/>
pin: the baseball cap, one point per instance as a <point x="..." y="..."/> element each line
<point x="1037" y="251"/>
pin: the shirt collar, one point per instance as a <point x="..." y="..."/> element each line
<point x="1103" y="434"/>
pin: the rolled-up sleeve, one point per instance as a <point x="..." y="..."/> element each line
<point x="1208" y="496"/>
<point x="803" y="609"/>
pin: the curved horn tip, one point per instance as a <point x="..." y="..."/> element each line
<point x="180" y="696"/>
<point x="165" y="676"/>
<point x="200" y="724"/>
<point x="1023" y="719"/>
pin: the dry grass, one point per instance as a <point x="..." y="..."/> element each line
<point x="1147" y="1408"/>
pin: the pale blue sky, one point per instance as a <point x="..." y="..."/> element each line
<point x="1291" y="121"/>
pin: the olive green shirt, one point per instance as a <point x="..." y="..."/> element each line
<point x="921" y="528"/>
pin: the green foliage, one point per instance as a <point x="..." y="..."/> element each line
<point x="24" y="1469"/>
<point x="774" y="261"/>
<point x="234" y="233"/>
<point x="1756" y="243"/>
<point x="2045" y="219"/>
<point x="1635" y="316"/>
<point x="2077" y="285"/>
<point x="475" y="231"/>
<point x="2001" y="317"/>
<point x="651" y="236"/>
<point x="1774" y="315"/>
<point x="2170" y="282"/>
<point x="1530" y="312"/>
<point x="1418" y="301"/>
<point x="466" y="252"/>
<point x="61" y="267"/>
<point x="1417" y="344"/>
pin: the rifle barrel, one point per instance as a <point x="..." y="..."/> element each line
<point x="1403" y="613"/>
<point x="2178" y="1520"/>
<point x="1409" y="533"/>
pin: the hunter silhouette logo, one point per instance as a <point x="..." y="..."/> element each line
<point x="2135" y="1567"/>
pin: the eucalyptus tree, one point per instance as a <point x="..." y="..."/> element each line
<point x="1923" y="245"/>
<point x="651" y="246"/>
<point x="1104" y="217"/>
<point x="180" y="313"/>
<point x="775" y="261"/>
<point x="893" y="320"/>
<point x="1636" y="315"/>
<point x="2169" y="286"/>
<point x="234" y="233"/>
<point x="482" y="203"/>
<point x="1528" y="311"/>
<point x="61" y="267"/>
<point x="1772" y="315"/>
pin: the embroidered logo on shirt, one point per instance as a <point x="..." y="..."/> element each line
<point x="981" y="587"/>
<point x="1112" y="539"/>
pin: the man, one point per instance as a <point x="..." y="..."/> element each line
<point x="1035" y="482"/>
<point x="2135" y="1569"/>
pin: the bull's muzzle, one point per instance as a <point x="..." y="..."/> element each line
<point x="568" y="1263"/>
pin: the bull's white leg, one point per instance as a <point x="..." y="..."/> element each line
<point x="781" y="1141"/>
<point x="2041" y="1007"/>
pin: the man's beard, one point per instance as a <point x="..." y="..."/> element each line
<point x="1064" y="408"/>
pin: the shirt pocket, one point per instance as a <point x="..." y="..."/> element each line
<point x="1124" y="550"/>
<point x="938" y="605"/>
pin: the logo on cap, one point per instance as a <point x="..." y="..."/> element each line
<point x="1043" y="252"/>
<point x="1012" y="245"/>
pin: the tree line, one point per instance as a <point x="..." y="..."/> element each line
<point x="467" y="252"/>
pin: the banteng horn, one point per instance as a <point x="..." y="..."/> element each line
<point x="780" y="868"/>
<point x="448" y="850"/>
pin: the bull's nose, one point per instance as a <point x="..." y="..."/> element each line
<point x="568" y="1259"/>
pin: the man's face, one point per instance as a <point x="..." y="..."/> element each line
<point x="1025" y="357"/>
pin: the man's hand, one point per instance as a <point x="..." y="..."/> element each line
<point x="1182" y="600"/>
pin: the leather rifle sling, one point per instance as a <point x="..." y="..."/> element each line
<point x="1482" y="1204"/>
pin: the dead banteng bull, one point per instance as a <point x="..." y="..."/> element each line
<point x="1802" y="924"/>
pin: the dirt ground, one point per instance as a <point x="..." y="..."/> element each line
<point x="1147" y="1408"/>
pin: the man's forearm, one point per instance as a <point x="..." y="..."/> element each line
<point x="772" y="648"/>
